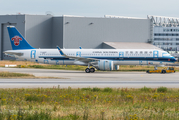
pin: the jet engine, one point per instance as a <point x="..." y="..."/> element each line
<point x="104" y="65"/>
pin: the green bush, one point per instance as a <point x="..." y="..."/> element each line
<point x="37" y="116"/>
<point x="74" y="116"/>
<point x="96" y="89"/>
<point x="86" y="89"/>
<point x="162" y="89"/>
<point x="107" y="89"/>
<point x="37" y="98"/>
<point x="36" y="66"/>
<point x="146" y="89"/>
<point x="122" y="93"/>
<point x="18" y="66"/>
<point x="22" y="115"/>
<point x="131" y="66"/>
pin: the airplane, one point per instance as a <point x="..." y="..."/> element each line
<point x="101" y="59"/>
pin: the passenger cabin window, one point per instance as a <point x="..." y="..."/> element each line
<point x="145" y="52"/>
<point x="131" y="52"/>
<point x="141" y="52"/>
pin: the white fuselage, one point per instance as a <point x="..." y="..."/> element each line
<point x="118" y="56"/>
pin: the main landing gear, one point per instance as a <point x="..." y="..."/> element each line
<point x="88" y="70"/>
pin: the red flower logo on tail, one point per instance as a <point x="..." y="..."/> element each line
<point x="16" y="40"/>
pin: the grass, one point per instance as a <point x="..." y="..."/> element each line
<point x="162" y="89"/>
<point x="9" y="74"/>
<point x="60" y="67"/>
<point x="4" y="74"/>
<point x="89" y="104"/>
<point x="27" y="64"/>
<point x="146" y="89"/>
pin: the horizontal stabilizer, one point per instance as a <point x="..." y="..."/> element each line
<point x="13" y="53"/>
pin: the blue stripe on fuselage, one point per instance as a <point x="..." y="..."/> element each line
<point x="164" y="59"/>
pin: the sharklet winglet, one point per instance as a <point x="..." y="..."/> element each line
<point x="60" y="51"/>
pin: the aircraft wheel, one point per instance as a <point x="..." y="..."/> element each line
<point x="92" y="70"/>
<point x="163" y="71"/>
<point x="147" y="71"/>
<point x="87" y="70"/>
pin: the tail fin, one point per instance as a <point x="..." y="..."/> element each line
<point x="17" y="40"/>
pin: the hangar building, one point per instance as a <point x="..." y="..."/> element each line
<point x="47" y="31"/>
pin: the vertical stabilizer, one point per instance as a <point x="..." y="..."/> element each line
<point x="17" y="40"/>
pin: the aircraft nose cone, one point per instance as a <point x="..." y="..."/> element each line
<point x="176" y="59"/>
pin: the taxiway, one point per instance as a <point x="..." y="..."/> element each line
<point x="79" y="79"/>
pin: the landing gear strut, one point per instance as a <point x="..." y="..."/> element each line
<point x="88" y="70"/>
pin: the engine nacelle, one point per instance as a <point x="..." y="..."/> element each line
<point x="105" y="65"/>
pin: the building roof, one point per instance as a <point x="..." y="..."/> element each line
<point x="130" y="45"/>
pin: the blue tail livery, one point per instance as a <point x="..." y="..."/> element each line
<point x="17" y="40"/>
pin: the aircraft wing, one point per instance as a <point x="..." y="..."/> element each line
<point x="77" y="58"/>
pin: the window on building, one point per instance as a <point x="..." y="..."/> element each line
<point x="160" y="43"/>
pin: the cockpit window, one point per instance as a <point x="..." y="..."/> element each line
<point x="165" y="54"/>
